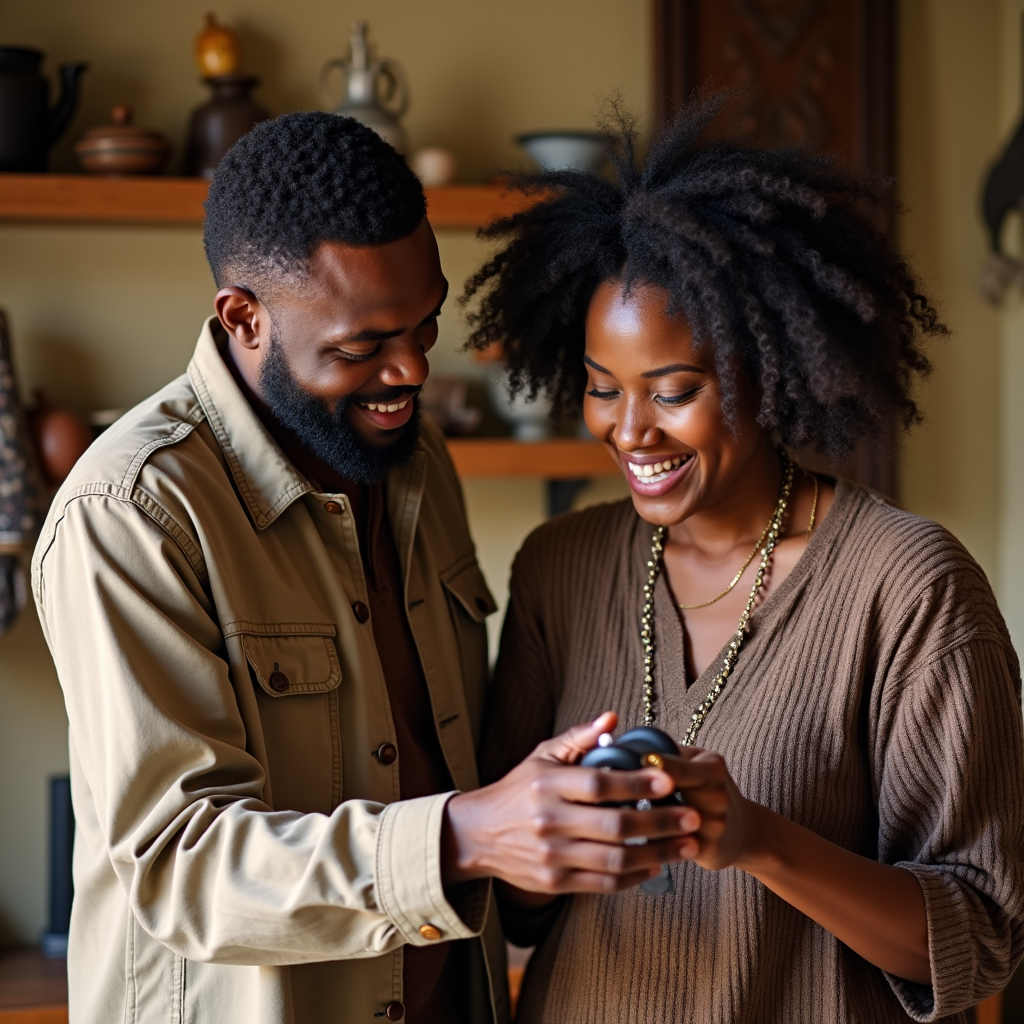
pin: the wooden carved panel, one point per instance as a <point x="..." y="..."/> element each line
<point x="811" y="72"/>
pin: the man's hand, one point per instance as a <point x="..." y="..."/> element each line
<point x="541" y="828"/>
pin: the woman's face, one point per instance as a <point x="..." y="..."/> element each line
<point x="655" y="402"/>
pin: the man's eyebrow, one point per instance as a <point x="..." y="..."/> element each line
<point x="372" y="334"/>
<point x="672" y="368"/>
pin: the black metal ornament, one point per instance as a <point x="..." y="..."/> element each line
<point x="639" y="748"/>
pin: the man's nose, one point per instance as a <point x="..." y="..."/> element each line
<point x="405" y="364"/>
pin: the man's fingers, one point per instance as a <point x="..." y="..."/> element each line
<point x="608" y="859"/>
<point x="593" y="881"/>
<point x="571" y="745"/>
<point x="616" y="824"/>
<point x="596" y="786"/>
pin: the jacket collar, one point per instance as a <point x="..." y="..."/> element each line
<point x="267" y="481"/>
<point x="265" y="478"/>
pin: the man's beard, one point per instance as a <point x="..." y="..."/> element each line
<point x="329" y="435"/>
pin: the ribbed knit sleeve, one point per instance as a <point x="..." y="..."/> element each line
<point x="949" y="773"/>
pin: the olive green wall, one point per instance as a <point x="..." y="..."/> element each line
<point x="103" y="316"/>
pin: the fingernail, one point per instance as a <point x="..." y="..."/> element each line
<point x="661" y="784"/>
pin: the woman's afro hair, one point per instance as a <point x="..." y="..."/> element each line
<point x="300" y="180"/>
<point x="774" y="258"/>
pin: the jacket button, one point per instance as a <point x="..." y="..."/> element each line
<point x="334" y="508"/>
<point x="362" y="613"/>
<point x="278" y="682"/>
<point x="429" y="932"/>
<point x="386" y="753"/>
<point x="394" y="1010"/>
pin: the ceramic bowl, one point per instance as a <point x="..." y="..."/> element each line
<point x="565" y="151"/>
<point x="122" y="148"/>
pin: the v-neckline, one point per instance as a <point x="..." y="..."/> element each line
<point x="669" y="628"/>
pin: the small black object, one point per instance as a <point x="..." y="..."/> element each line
<point x="627" y="754"/>
<point x="648" y="740"/>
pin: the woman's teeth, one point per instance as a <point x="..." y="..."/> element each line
<point x="386" y="408"/>
<point x="652" y="472"/>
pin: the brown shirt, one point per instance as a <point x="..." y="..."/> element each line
<point x="875" y="701"/>
<point x="432" y="976"/>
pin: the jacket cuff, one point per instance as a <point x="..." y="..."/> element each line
<point x="408" y="876"/>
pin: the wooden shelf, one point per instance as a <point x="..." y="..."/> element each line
<point x="33" y="990"/>
<point x="81" y="198"/>
<point x="557" y="459"/>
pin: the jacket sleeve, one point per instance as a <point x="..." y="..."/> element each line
<point x="949" y="777"/>
<point x="209" y="869"/>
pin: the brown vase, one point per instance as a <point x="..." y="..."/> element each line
<point x="217" y="125"/>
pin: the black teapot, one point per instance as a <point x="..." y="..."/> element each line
<point x="29" y="126"/>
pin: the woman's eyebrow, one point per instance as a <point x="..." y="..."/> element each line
<point x="597" y="366"/>
<point x="673" y="368"/>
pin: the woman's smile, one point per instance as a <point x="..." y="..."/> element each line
<point x="654" y="475"/>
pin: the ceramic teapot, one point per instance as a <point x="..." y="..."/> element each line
<point x="376" y="93"/>
<point x="29" y="126"/>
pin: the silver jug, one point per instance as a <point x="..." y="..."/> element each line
<point x="375" y="93"/>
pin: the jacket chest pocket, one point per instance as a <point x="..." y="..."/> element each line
<point x="469" y="604"/>
<point x="296" y="678"/>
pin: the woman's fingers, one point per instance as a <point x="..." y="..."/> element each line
<point x="571" y="745"/>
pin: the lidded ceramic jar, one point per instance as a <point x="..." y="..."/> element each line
<point x="122" y="148"/>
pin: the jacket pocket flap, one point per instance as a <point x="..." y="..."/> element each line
<point x="285" y="665"/>
<point x="466" y="583"/>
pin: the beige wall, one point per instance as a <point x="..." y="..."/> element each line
<point x="104" y="316"/>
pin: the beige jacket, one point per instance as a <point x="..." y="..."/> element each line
<point x="240" y="854"/>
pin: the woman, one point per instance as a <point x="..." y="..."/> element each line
<point x="837" y="668"/>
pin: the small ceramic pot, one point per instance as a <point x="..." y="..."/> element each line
<point x="122" y="148"/>
<point x="434" y="166"/>
<point x="529" y="420"/>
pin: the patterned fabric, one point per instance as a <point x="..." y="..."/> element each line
<point x="22" y="496"/>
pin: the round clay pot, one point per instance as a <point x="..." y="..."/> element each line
<point x="218" y="125"/>
<point x="62" y="437"/>
<point x="122" y="148"/>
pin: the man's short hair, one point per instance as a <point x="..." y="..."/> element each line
<point x="299" y="180"/>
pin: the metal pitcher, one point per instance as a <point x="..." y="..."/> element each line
<point x="375" y="93"/>
<point x="29" y="126"/>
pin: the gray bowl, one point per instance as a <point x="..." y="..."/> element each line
<point x="565" y="151"/>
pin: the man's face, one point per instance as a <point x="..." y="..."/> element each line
<point x="340" y="358"/>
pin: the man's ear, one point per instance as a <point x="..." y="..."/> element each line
<point x="242" y="315"/>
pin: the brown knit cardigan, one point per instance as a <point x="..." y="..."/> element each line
<point x="876" y="701"/>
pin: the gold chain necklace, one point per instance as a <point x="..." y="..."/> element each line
<point x="732" y="653"/>
<point x="757" y="547"/>
<point x="736" y="578"/>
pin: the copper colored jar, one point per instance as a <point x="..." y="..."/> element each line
<point x="218" y="125"/>
<point x="122" y="148"/>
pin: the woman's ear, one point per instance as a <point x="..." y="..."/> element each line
<point x="239" y="311"/>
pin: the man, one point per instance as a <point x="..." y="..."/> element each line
<point x="268" y="621"/>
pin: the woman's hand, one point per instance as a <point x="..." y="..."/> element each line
<point x="876" y="909"/>
<point x="728" y="834"/>
<point x="541" y="828"/>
